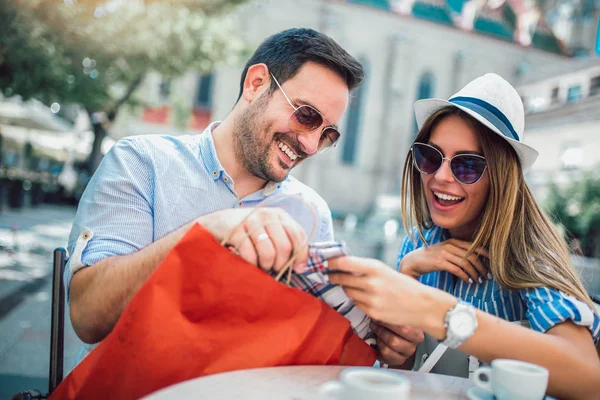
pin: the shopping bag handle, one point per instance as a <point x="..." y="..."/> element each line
<point x="287" y="268"/>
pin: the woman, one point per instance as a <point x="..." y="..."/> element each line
<point x="482" y="248"/>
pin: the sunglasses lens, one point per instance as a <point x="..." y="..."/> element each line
<point x="427" y="159"/>
<point x="329" y="138"/>
<point x="305" y="119"/>
<point x="467" y="169"/>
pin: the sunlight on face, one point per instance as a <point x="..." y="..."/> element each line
<point x="460" y="215"/>
<point x="317" y="86"/>
<point x="263" y="140"/>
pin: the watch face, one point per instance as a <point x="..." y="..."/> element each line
<point x="461" y="324"/>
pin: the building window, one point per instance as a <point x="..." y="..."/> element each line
<point x="537" y="104"/>
<point x="598" y="40"/>
<point x="424" y="91"/>
<point x="574" y="94"/>
<point x="572" y="156"/>
<point x="554" y="96"/>
<point x="595" y="86"/>
<point x="11" y="158"/>
<point x="204" y="92"/>
<point x="373" y="3"/>
<point x="164" y="90"/>
<point x="354" y="118"/>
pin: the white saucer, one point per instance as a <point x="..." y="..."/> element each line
<point x="477" y="393"/>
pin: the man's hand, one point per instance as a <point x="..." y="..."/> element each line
<point x="397" y="344"/>
<point x="265" y="236"/>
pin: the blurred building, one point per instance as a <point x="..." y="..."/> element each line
<point x="563" y="123"/>
<point x="574" y="22"/>
<point x="410" y="49"/>
<point x="43" y="156"/>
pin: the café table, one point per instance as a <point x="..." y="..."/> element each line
<point x="299" y="383"/>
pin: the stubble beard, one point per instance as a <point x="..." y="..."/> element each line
<point x="252" y="142"/>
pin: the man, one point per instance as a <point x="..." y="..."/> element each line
<point x="149" y="190"/>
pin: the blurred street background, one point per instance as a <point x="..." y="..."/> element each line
<point x="76" y="76"/>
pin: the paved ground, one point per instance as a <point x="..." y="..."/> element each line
<point x="27" y="239"/>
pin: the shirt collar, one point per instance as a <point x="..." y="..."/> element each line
<point x="213" y="165"/>
<point x="209" y="153"/>
<point x="271" y="187"/>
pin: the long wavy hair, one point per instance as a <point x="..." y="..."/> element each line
<point x="525" y="249"/>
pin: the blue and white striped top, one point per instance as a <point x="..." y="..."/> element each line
<point x="148" y="186"/>
<point x="543" y="307"/>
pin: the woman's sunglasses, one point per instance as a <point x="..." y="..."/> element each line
<point x="466" y="168"/>
<point x="306" y="119"/>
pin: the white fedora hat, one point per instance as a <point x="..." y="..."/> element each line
<point x="495" y="103"/>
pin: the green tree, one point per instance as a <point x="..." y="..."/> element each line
<point x="577" y="208"/>
<point x="96" y="53"/>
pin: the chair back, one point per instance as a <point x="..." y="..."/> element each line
<point x="57" y="330"/>
<point x="57" y="327"/>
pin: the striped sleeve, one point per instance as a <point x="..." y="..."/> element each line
<point x="407" y="247"/>
<point x="547" y="308"/>
<point x="116" y="209"/>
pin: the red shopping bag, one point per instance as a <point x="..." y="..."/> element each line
<point x="204" y="311"/>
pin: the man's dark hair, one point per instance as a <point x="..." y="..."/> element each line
<point x="286" y="52"/>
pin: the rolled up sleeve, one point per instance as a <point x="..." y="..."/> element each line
<point x="115" y="213"/>
<point x="547" y="308"/>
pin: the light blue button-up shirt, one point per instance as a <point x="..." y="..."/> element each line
<point x="148" y="186"/>
<point x="543" y="307"/>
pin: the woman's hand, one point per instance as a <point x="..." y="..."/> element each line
<point x="448" y="256"/>
<point x="383" y="294"/>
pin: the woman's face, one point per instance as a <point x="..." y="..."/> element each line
<point x="461" y="212"/>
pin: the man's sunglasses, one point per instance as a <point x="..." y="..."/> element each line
<point x="306" y="119"/>
<point x="466" y="168"/>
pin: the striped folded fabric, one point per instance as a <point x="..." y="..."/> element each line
<point x="315" y="280"/>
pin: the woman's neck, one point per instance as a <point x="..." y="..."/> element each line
<point x="465" y="233"/>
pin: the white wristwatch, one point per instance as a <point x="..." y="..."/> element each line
<point x="460" y="323"/>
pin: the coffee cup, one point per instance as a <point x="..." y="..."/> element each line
<point x="513" y="380"/>
<point x="362" y="383"/>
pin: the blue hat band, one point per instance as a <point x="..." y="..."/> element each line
<point x="489" y="112"/>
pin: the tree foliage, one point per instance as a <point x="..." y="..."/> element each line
<point x="577" y="208"/>
<point x="96" y="53"/>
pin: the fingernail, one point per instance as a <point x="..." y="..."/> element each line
<point x="470" y="280"/>
<point x="490" y="275"/>
<point x="480" y="280"/>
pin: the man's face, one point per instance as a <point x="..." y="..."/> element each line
<point x="263" y="141"/>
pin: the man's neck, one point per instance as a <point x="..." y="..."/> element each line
<point x="245" y="182"/>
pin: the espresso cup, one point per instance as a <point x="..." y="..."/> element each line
<point x="513" y="380"/>
<point x="362" y="383"/>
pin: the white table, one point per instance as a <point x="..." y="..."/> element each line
<point x="298" y="383"/>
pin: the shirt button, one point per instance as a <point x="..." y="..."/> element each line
<point x="215" y="173"/>
<point x="225" y="179"/>
<point x="240" y="204"/>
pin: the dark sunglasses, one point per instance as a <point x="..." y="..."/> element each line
<point x="306" y="119"/>
<point x="466" y="168"/>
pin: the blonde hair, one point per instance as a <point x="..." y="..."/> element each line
<point x="525" y="249"/>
